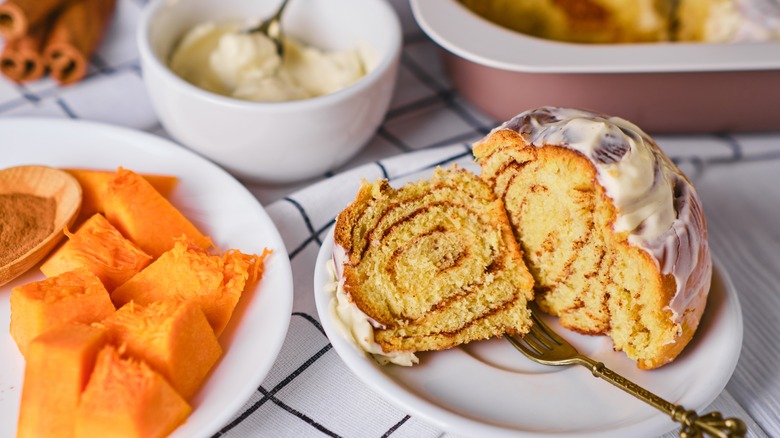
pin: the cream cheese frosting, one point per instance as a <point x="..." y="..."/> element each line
<point x="352" y="322"/>
<point x="656" y="204"/>
<point x="222" y="59"/>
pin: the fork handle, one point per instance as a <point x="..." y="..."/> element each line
<point x="693" y="425"/>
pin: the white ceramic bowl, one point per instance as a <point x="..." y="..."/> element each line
<point x="662" y="87"/>
<point x="281" y="141"/>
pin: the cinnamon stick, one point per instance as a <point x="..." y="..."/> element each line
<point x="21" y="60"/>
<point x="17" y="17"/>
<point x="74" y="37"/>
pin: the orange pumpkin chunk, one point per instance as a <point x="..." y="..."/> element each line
<point x="76" y="296"/>
<point x="93" y="184"/>
<point x="173" y="337"/>
<point x="59" y="363"/>
<point x="126" y="398"/>
<point x="145" y="217"/>
<point x="102" y="249"/>
<point x="190" y="273"/>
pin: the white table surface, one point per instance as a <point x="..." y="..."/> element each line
<point x="309" y="391"/>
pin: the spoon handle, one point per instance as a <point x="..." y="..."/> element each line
<point x="278" y="14"/>
<point x="265" y="26"/>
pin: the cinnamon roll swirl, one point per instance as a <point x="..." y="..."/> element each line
<point x="430" y="266"/>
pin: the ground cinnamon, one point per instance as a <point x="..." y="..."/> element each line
<point x="25" y="220"/>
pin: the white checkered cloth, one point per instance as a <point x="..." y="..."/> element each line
<point x="309" y="391"/>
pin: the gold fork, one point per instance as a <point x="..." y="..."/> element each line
<point x="544" y="346"/>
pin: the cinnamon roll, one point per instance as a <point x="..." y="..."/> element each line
<point x="611" y="230"/>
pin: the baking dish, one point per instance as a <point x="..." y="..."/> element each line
<point x="662" y="87"/>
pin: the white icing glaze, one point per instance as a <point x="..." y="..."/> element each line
<point x="656" y="204"/>
<point x="353" y="323"/>
<point x="743" y="20"/>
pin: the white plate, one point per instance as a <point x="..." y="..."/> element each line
<point x="489" y="389"/>
<point x="471" y="37"/>
<point x="217" y="204"/>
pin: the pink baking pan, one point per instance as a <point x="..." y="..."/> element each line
<point x="662" y="87"/>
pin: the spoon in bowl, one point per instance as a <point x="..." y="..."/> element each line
<point x="45" y="182"/>
<point x="272" y="28"/>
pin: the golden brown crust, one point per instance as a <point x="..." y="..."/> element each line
<point x="580" y="21"/>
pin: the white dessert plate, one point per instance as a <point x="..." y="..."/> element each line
<point x="217" y="204"/>
<point x="489" y="389"/>
<point x="464" y="33"/>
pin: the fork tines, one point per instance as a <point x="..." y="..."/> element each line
<point x="544" y="345"/>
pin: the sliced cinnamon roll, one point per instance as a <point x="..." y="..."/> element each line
<point x="611" y="230"/>
<point x="428" y="267"/>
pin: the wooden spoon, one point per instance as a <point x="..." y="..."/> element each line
<point x="49" y="183"/>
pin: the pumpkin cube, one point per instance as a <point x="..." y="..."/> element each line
<point x="59" y="363"/>
<point x="93" y="184"/>
<point x="187" y="272"/>
<point x="126" y="398"/>
<point x="145" y="217"/>
<point x="76" y="296"/>
<point x="173" y="337"/>
<point x="102" y="249"/>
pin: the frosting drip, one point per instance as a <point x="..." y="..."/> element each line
<point x="352" y="322"/>
<point x="655" y="202"/>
